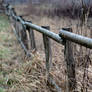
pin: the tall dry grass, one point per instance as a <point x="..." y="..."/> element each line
<point x="82" y="55"/>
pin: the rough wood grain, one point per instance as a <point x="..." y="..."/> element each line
<point x="31" y="38"/>
<point x="70" y="64"/>
<point x="47" y="48"/>
<point x="48" y="55"/>
<point x="24" y="37"/>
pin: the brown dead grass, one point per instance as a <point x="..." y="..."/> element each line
<point x="29" y="75"/>
<point x="59" y="66"/>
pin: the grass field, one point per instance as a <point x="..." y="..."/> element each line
<point x="80" y="53"/>
<point x="20" y="74"/>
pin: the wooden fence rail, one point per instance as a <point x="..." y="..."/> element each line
<point x="65" y="37"/>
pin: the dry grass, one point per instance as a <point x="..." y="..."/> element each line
<point x="19" y="74"/>
<point x="58" y="68"/>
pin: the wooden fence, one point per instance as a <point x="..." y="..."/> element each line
<point x="65" y="37"/>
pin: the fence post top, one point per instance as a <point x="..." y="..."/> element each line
<point x="29" y="21"/>
<point x="46" y="27"/>
<point x="67" y="29"/>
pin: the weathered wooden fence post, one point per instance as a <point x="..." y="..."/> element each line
<point x="24" y="37"/>
<point x="21" y="35"/>
<point x="48" y="55"/>
<point x="70" y="64"/>
<point x="16" y="24"/>
<point x="48" y="52"/>
<point x="32" y="38"/>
